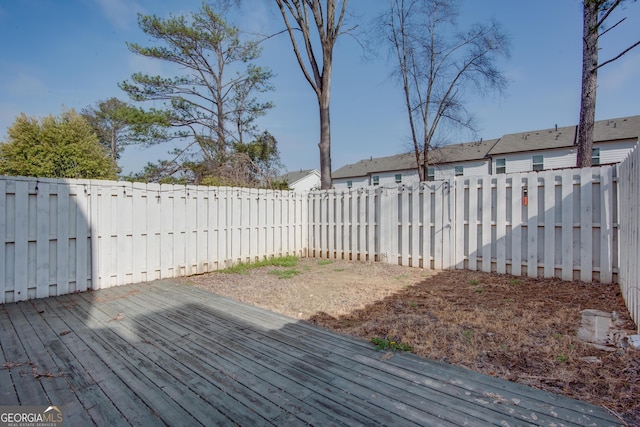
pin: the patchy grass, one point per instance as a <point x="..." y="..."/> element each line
<point x="243" y="268"/>
<point x="387" y="343"/>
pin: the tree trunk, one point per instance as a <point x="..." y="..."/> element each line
<point x="114" y="144"/>
<point x="325" y="141"/>
<point x="589" y="83"/>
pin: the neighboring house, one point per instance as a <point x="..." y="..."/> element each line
<point x="451" y="160"/>
<point x="303" y="180"/>
<point x="555" y="149"/>
<point x="519" y="152"/>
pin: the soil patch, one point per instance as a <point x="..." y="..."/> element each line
<point x="520" y="329"/>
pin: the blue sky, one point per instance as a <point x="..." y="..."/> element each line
<point x="72" y="53"/>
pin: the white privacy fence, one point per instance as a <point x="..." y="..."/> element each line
<point x="540" y="224"/>
<point x="629" y="195"/>
<point x="63" y="236"/>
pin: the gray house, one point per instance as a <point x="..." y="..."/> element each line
<point x="519" y="152"/>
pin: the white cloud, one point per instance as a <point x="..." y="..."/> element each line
<point x="121" y="13"/>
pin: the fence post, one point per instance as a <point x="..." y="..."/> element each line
<point x="458" y="232"/>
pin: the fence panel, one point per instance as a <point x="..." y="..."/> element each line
<point x="62" y="236"/>
<point x="45" y="246"/>
<point x="629" y="208"/>
<point x="537" y="224"/>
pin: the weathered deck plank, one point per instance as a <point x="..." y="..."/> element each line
<point x="83" y="399"/>
<point x="532" y="405"/>
<point x="125" y="361"/>
<point x="166" y="353"/>
<point x="203" y="332"/>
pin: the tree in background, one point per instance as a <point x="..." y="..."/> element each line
<point x="438" y="65"/>
<point x="55" y="147"/>
<point x="322" y="19"/>
<point x="119" y="124"/>
<point x="251" y="164"/>
<point x="595" y="14"/>
<point x="214" y="102"/>
<point x="261" y="159"/>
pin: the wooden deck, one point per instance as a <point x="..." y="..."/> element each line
<point x="167" y="353"/>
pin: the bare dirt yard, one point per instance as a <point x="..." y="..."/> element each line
<point x="519" y="329"/>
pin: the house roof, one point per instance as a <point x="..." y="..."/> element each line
<point x="624" y="128"/>
<point x="295" y="176"/>
<point x="605" y="130"/>
<point x="378" y="164"/>
<point x="449" y="153"/>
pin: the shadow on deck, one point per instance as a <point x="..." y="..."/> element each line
<point x="167" y="353"/>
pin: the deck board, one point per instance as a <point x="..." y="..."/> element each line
<point x="169" y="353"/>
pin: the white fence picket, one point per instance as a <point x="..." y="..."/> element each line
<point x="549" y="224"/>
<point x="373" y="228"/>
<point x="487" y="247"/>
<point x="82" y="250"/>
<point x="586" y="225"/>
<point x="42" y="238"/>
<point x="459" y="222"/>
<point x="20" y="245"/>
<point x="501" y="224"/>
<point x="606" y="221"/>
<point x="415" y="224"/>
<point x="567" y="224"/>
<point x="472" y="243"/>
<point x="532" y="202"/>
<point x="516" y="224"/>
<point x="404" y="224"/>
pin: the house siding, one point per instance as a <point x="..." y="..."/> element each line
<point x="615" y="152"/>
<point x="447" y="171"/>
<point x="614" y="138"/>
<point x="610" y="152"/>
<point x="307" y="183"/>
<point x="357" y="181"/>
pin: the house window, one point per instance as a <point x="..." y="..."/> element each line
<point x="501" y="165"/>
<point x="431" y="174"/>
<point x="595" y="157"/>
<point x="459" y="171"/>
<point x="398" y="178"/>
<point x="537" y="162"/>
<point x="349" y="184"/>
<point x="376" y="180"/>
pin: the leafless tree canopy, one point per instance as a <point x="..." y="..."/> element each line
<point x="439" y="66"/>
<point x="308" y="21"/>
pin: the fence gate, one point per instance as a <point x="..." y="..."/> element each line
<point x="415" y="225"/>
